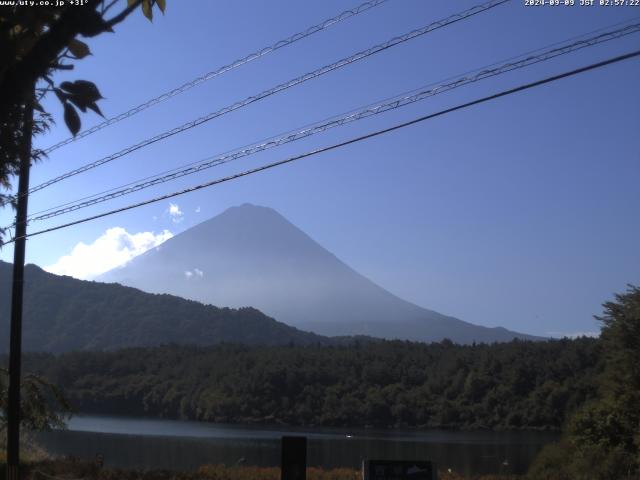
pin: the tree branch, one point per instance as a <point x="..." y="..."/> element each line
<point x="35" y="65"/>
<point x="106" y="8"/>
<point x="124" y="14"/>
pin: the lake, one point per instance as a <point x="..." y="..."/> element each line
<point x="181" y="445"/>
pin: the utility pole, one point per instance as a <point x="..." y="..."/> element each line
<point x="15" y="346"/>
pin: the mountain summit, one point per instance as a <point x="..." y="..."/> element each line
<point x="253" y="256"/>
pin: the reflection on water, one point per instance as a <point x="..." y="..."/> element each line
<point x="148" y="443"/>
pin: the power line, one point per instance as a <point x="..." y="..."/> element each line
<point x="319" y="127"/>
<point x="219" y="71"/>
<point x="268" y="166"/>
<point x="448" y="79"/>
<point x="284" y="86"/>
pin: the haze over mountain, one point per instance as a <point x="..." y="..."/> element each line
<point x="63" y="314"/>
<point x="253" y="256"/>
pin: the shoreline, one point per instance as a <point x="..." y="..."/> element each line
<point x="266" y="425"/>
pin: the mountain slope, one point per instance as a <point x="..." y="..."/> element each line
<point x="63" y="314"/>
<point x="251" y="255"/>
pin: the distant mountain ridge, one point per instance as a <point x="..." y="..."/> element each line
<point x="253" y="256"/>
<point x="63" y="314"/>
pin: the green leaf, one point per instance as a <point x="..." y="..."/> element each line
<point x="93" y="106"/>
<point x="88" y="89"/>
<point x="131" y="3"/>
<point x="84" y="89"/>
<point x="82" y="93"/>
<point x="79" y="49"/>
<point x="60" y="94"/>
<point x="146" y="9"/>
<point x="79" y="102"/>
<point x="68" y="86"/>
<point x="162" y="5"/>
<point x="37" y="106"/>
<point x="71" y="118"/>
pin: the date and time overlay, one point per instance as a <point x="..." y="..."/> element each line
<point x="581" y="3"/>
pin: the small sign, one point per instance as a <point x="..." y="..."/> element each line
<point x="398" y="470"/>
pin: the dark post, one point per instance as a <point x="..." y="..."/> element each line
<point x="15" y="346"/>
<point x="294" y="458"/>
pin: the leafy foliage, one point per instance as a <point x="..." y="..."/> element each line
<point x="501" y="386"/>
<point x="42" y="404"/>
<point x="602" y="440"/>
<point x="37" y="43"/>
<point x="79" y="94"/>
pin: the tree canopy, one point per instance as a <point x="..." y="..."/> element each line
<point x="43" y="405"/>
<point x="387" y="383"/>
<point x="38" y="41"/>
<point x="602" y="439"/>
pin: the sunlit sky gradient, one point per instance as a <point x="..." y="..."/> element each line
<point x="522" y="212"/>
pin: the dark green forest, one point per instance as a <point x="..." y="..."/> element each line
<point x="501" y="386"/>
<point x="589" y="388"/>
<point x="601" y="440"/>
<point x="63" y="314"/>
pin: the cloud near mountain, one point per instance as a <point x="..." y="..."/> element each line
<point x="253" y="256"/>
<point x="113" y="248"/>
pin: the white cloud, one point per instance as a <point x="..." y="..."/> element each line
<point x="196" y="271"/>
<point x="113" y="248"/>
<point x="198" y="209"/>
<point x="175" y="213"/>
<point x="174" y="210"/>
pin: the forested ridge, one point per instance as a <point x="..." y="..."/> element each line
<point x="391" y="383"/>
<point x="63" y="314"/>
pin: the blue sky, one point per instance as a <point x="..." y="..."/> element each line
<point x="521" y="212"/>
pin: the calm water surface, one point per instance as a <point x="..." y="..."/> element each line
<point x="173" y="444"/>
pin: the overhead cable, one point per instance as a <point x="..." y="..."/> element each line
<point x="371" y="110"/>
<point x="219" y="71"/>
<point x="268" y="166"/>
<point x="279" y="88"/>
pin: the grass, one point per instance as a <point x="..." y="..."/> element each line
<point x="75" y="469"/>
<point x="39" y="465"/>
